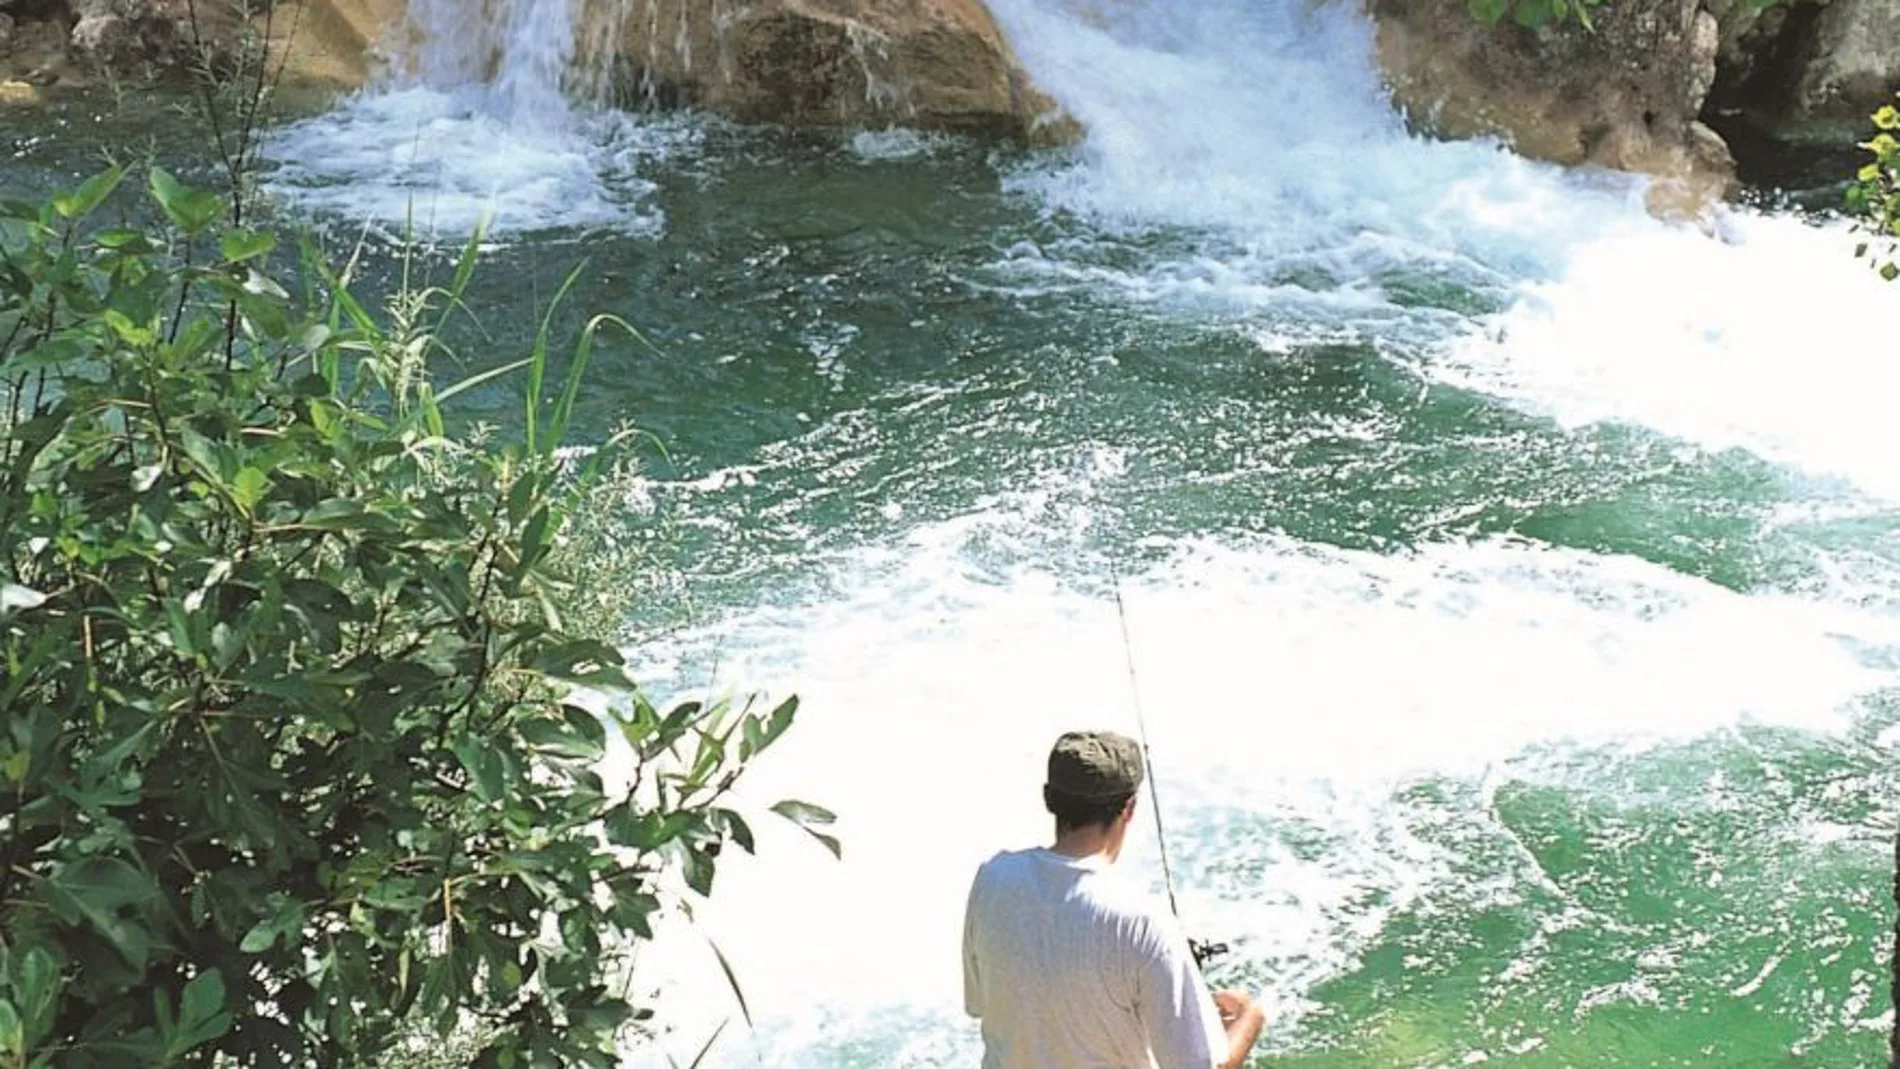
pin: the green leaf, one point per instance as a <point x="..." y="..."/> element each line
<point x="37" y="989"/>
<point x="128" y="242"/>
<point x="12" y="1031"/>
<point x="130" y="333"/>
<point x="579" y="735"/>
<point x="483" y="765"/>
<point x="285" y="926"/>
<point x="1532" y="14"/>
<point x="249" y="488"/>
<point x="260" y="938"/>
<point x="780" y="723"/>
<point x="698" y="865"/>
<point x="98" y="891"/>
<point x="183" y="629"/>
<point x="810" y="818"/>
<point x="1887" y="118"/>
<point x="804" y="814"/>
<point x="1488" y="11"/>
<point x="93" y="192"/>
<point x="190" y="210"/>
<point x="1890" y="271"/>
<point x="202" y="1016"/>
<point x="240" y="244"/>
<point x="740" y="831"/>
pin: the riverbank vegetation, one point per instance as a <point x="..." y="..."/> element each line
<point x="306" y="722"/>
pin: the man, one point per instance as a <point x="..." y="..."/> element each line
<point x="1068" y="966"/>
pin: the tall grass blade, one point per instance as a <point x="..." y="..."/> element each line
<point x="732" y="980"/>
<point x="478" y="379"/>
<point x="538" y="362"/>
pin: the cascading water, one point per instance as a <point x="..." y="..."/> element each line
<point x="1361" y="747"/>
<point x="1263" y="130"/>
<point x="494" y="115"/>
<point x="1511" y="575"/>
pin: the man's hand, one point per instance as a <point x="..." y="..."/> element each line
<point x="1242" y="1017"/>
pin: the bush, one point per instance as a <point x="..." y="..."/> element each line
<point x="1874" y="196"/>
<point x="298" y="754"/>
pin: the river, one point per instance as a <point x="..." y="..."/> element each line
<point x="1511" y="578"/>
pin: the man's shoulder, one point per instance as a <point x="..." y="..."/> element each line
<point x="1103" y="889"/>
<point x="1007" y="865"/>
<point x="1008" y="859"/>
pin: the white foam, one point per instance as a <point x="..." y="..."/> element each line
<point x="445" y="162"/>
<point x="1285" y="684"/>
<point x="492" y="118"/>
<point x="1773" y="341"/>
<point x="1247" y="152"/>
<point x="898" y="143"/>
<point x="1265" y="126"/>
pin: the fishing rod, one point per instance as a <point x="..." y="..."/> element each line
<point x="1203" y="952"/>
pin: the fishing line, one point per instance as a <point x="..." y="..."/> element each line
<point x="1141" y="725"/>
<point x="1203" y="952"/>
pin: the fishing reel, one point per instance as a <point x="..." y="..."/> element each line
<point x="1205" y="951"/>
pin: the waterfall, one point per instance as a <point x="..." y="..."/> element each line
<point x="495" y="116"/>
<point x="530" y="57"/>
<point x="1334" y="719"/>
<point x="1259" y="132"/>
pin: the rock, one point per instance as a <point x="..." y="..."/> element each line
<point x="128" y="34"/>
<point x="1808" y="71"/>
<point x="1852" y="64"/>
<point x="929" y="64"/>
<point x="1627" y="96"/>
<point x="333" y="43"/>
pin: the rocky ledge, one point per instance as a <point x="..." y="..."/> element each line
<point x="47" y="43"/>
<point x="1658" y="86"/>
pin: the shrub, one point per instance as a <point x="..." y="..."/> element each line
<point x="1873" y="198"/>
<point x="301" y="751"/>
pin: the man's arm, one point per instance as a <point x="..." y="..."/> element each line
<point x="1186" y="1029"/>
<point x="1241" y="1018"/>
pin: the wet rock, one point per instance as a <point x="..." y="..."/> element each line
<point x="927" y="64"/>
<point x="1628" y="96"/>
<point x="130" y="34"/>
<point x="1852" y="64"/>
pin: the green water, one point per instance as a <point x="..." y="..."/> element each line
<point x="875" y="425"/>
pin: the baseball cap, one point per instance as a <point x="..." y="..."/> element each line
<point x="1095" y="765"/>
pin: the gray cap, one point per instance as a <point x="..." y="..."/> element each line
<point x="1095" y="765"/>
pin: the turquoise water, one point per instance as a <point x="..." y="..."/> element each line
<point x="1512" y="579"/>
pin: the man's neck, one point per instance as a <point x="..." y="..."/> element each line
<point x="1084" y="843"/>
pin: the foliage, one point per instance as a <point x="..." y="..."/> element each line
<point x="1542" y="14"/>
<point x="1874" y="196"/>
<point x="1535" y="14"/>
<point x="301" y="749"/>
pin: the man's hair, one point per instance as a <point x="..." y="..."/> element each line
<point x="1072" y="812"/>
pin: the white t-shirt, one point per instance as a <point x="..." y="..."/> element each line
<point x="1071" y="967"/>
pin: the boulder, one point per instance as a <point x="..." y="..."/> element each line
<point x="126" y="34"/>
<point x="1628" y="96"/>
<point x="931" y="64"/>
<point x="324" y="43"/>
<point x="1852" y="62"/>
<point x="333" y="44"/>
